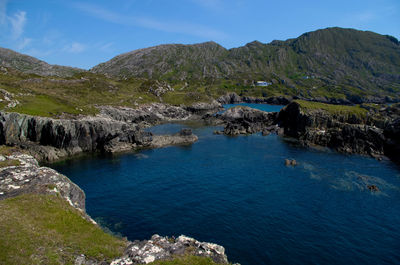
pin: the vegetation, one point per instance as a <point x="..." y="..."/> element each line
<point x="331" y="63"/>
<point x="186" y="260"/>
<point x="45" y="229"/>
<point x="333" y="109"/>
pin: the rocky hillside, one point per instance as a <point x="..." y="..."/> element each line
<point x="338" y="61"/>
<point x="31" y="65"/>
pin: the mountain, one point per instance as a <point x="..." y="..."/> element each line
<point x="337" y="58"/>
<point x="31" y="65"/>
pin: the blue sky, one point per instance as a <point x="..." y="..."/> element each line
<point x="85" y="33"/>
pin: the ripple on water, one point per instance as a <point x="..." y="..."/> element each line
<point x="237" y="192"/>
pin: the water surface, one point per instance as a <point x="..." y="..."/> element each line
<point x="236" y="191"/>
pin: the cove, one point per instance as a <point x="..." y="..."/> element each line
<point x="237" y="192"/>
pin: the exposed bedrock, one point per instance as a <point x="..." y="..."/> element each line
<point x="113" y="130"/>
<point x="28" y="177"/>
<point x="245" y="120"/>
<point x="373" y="135"/>
<point x="162" y="248"/>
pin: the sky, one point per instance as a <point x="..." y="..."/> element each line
<point x="86" y="33"/>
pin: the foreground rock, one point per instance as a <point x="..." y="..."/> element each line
<point x="162" y="248"/>
<point x="29" y="177"/>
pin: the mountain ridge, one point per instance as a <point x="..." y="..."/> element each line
<point x="335" y="56"/>
<point x="31" y="65"/>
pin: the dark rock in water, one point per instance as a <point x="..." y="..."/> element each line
<point x="185" y="132"/>
<point x="163" y="248"/>
<point x="218" y="132"/>
<point x="373" y="188"/>
<point x="290" y="162"/>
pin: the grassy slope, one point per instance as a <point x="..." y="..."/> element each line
<point x="45" y="229"/>
<point x="333" y="109"/>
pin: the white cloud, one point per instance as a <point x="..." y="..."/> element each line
<point x="17" y="21"/>
<point x="74" y="47"/>
<point x="23" y="43"/>
<point x="151" y="23"/>
<point x="106" y="47"/>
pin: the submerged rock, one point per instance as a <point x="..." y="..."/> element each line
<point x="373" y="188"/>
<point x="290" y="162"/>
<point x="162" y="248"/>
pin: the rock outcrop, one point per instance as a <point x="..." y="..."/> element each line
<point x="113" y="130"/>
<point x="376" y="134"/>
<point x="203" y="108"/>
<point x="184" y="137"/>
<point x="245" y="120"/>
<point x="162" y="248"/>
<point x="29" y="177"/>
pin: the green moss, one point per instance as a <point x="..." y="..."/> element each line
<point x="45" y="229"/>
<point x="333" y="109"/>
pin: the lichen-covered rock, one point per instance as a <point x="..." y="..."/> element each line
<point x="28" y="177"/>
<point x="161" y="248"/>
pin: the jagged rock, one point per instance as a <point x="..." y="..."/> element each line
<point x="245" y="120"/>
<point x="230" y="98"/>
<point x="28" y="177"/>
<point x="348" y="133"/>
<point x="162" y="248"/>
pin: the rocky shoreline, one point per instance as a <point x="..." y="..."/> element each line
<point x="28" y="177"/>
<point x="115" y="129"/>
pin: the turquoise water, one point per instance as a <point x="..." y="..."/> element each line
<point x="263" y="107"/>
<point x="236" y="191"/>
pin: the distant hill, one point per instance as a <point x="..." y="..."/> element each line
<point x="31" y="65"/>
<point x="358" y="61"/>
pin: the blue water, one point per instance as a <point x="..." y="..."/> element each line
<point x="263" y="107"/>
<point x="236" y="191"/>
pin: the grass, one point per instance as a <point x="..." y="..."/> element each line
<point x="186" y="260"/>
<point x="45" y="229"/>
<point x="333" y="109"/>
